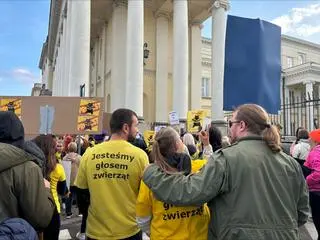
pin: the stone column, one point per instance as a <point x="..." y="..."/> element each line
<point x="288" y="111"/>
<point x="162" y="35"/>
<point x="135" y="36"/>
<point x="67" y="30"/>
<point x="50" y="76"/>
<point x="63" y="50"/>
<point x="79" y="72"/>
<point x="118" y="65"/>
<point x="219" y="27"/>
<point x="196" y="65"/>
<point x="180" y="58"/>
<point x="309" y="105"/>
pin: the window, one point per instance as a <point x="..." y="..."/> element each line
<point x="301" y="58"/>
<point x="205" y="87"/>
<point x="289" y="62"/>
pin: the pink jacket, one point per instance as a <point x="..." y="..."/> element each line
<point x="313" y="162"/>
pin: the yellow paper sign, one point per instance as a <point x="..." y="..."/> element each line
<point x="88" y="123"/>
<point x="148" y="137"/>
<point x="11" y="104"/>
<point x="89" y="107"/>
<point x="195" y="120"/>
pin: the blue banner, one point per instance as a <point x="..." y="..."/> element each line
<point x="252" y="64"/>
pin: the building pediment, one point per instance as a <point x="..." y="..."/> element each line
<point x="302" y="73"/>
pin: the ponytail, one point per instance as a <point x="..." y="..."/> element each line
<point x="271" y="135"/>
<point x="160" y="160"/>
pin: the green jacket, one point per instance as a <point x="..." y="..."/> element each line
<point x="252" y="192"/>
<point x="23" y="193"/>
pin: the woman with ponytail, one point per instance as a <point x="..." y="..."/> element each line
<point x="166" y="221"/>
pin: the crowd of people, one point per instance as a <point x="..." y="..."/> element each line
<point x="185" y="186"/>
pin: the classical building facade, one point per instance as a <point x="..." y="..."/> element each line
<point x="148" y="55"/>
<point x="140" y="54"/>
<point x="300" y="85"/>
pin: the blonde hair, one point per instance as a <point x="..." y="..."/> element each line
<point x="163" y="147"/>
<point x="188" y="139"/>
<point x="72" y="147"/>
<point x="257" y="122"/>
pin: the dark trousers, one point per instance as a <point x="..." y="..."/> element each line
<point x="315" y="210"/>
<point x="52" y="231"/>
<point x="84" y="221"/>
<point x="138" y="236"/>
<point x="70" y="199"/>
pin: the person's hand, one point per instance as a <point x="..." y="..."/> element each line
<point x="204" y="137"/>
<point x="46" y="183"/>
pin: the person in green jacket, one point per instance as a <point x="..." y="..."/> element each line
<point x="24" y="192"/>
<point x="253" y="189"/>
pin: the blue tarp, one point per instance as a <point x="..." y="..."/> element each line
<point x="252" y="64"/>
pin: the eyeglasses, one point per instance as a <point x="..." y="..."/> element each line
<point x="232" y="122"/>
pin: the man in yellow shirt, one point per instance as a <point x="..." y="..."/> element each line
<point x="112" y="171"/>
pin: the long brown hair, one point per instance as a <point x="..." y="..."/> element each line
<point x="163" y="147"/>
<point x="257" y="121"/>
<point x="48" y="145"/>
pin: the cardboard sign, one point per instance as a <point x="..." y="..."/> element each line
<point x="11" y="104"/>
<point x="57" y="115"/>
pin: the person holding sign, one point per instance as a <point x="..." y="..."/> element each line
<point x="162" y="220"/>
<point x="111" y="171"/>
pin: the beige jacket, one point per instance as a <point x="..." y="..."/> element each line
<point x="75" y="162"/>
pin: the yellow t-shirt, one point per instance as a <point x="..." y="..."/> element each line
<point x="196" y="165"/>
<point x="57" y="175"/>
<point x="58" y="156"/>
<point x="171" y="222"/>
<point x="112" y="172"/>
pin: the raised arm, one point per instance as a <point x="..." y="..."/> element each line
<point x="194" y="189"/>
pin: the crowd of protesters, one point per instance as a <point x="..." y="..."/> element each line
<point x="184" y="186"/>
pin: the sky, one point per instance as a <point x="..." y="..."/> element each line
<point x="24" y="27"/>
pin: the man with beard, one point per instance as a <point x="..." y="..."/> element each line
<point x="253" y="189"/>
<point x="111" y="172"/>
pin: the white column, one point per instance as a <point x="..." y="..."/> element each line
<point x="118" y="61"/>
<point x="180" y="57"/>
<point x="135" y="35"/>
<point x="162" y="34"/>
<point x="80" y="47"/>
<point x="299" y="105"/>
<point x="309" y="105"/>
<point x="63" y="59"/>
<point x="50" y="76"/>
<point x="67" y="30"/>
<point x="196" y="68"/>
<point x="288" y="111"/>
<point x="219" y="26"/>
<point x="58" y="71"/>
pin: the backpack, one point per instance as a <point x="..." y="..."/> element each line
<point x="17" y="229"/>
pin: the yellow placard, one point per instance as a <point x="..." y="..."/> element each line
<point x="87" y="123"/>
<point x="148" y="137"/>
<point x="195" y="120"/>
<point x="11" y="104"/>
<point x="89" y="107"/>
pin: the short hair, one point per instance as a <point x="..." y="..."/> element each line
<point x="303" y="134"/>
<point x="72" y="147"/>
<point x="120" y="117"/>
